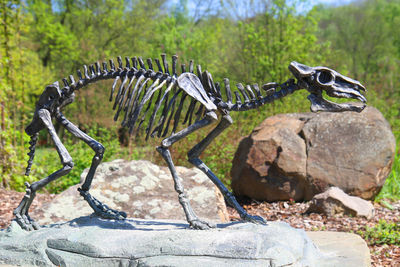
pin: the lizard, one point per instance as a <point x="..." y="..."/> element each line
<point x="158" y="96"/>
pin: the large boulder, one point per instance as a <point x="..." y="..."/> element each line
<point x="295" y="156"/>
<point x="141" y="189"/>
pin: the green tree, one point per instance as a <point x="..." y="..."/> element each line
<point x="365" y="38"/>
<point x="269" y="42"/>
<point x="21" y="78"/>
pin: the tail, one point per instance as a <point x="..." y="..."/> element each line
<point x="31" y="153"/>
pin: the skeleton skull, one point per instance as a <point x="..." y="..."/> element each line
<point x="319" y="79"/>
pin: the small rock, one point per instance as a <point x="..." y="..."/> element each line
<point x="335" y="201"/>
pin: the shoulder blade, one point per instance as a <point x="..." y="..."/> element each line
<point x="191" y="84"/>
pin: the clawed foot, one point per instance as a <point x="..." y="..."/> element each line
<point x="21" y="212"/>
<point x="253" y="219"/>
<point x="200" y="225"/>
<point x="26" y="222"/>
<point x="100" y="209"/>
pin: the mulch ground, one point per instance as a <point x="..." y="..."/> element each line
<point x="290" y="212"/>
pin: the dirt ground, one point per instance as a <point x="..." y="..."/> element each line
<point x="290" y="212"/>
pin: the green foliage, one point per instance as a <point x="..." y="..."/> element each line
<point x="391" y="190"/>
<point x="365" y="38"/>
<point x="20" y="76"/>
<point x="382" y="233"/>
<point x="57" y="43"/>
<point x="271" y="41"/>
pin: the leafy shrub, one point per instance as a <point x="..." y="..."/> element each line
<point x="382" y="233"/>
<point x="391" y="189"/>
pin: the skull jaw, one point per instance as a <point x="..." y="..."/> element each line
<point x="318" y="103"/>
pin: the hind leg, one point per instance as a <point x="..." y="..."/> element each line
<point x="21" y="212"/>
<point x="193" y="156"/>
<point x="99" y="208"/>
<point x="191" y="217"/>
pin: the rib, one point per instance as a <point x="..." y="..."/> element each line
<point x="131" y="102"/>
<point x="164" y="97"/>
<point x="172" y="103"/>
<point x="178" y="112"/>
<point x="189" y="111"/>
<point x="120" y="91"/>
<point x="113" y="87"/>
<point x="121" y="106"/>
<point x="145" y="98"/>
<point x="131" y="122"/>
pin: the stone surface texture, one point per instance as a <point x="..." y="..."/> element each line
<point x="351" y="249"/>
<point x="296" y="156"/>
<point x="335" y="201"/>
<point x="141" y="189"/>
<point x="90" y="241"/>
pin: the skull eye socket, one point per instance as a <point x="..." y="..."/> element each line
<point x="325" y="78"/>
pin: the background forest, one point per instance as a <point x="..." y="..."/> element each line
<point x="253" y="41"/>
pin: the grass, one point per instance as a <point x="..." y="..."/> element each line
<point x="391" y="189"/>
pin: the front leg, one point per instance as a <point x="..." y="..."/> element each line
<point x="99" y="209"/>
<point x="193" y="156"/>
<point x="191" y="217"/>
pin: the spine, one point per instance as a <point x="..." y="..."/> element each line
<point x="95" y="72"/>
<point x="254" y="100"/>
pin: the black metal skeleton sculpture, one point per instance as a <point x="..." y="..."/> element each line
<point x="145" y="94"/>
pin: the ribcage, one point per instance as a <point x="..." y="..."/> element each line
<point x="146" y="100"/>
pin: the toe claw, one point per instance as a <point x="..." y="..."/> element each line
<point x="26" y="223"/>
<point x="32" y="222"/>
<point x="254" y="219"/>
<point x="100" y="209"/>
<point x="200" y="225"/>
<point x="35" y="225"/>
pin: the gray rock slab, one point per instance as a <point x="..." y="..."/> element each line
<point x="342" y="249"/>
<point x="141" y="189"/>
<point x="92" y="241"/>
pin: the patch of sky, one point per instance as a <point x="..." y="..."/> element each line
<point x="243" y="9"/>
